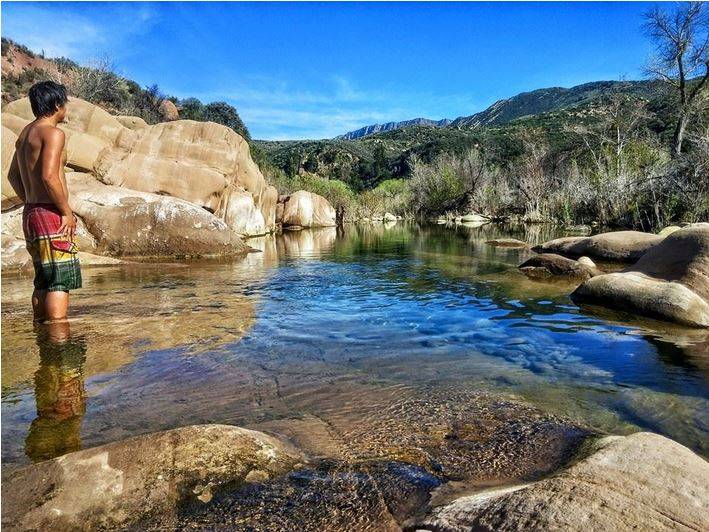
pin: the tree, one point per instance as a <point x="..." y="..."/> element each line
<point x="225" y="114"/>
<point x="192" y="109"/>
<point x="681" y="55"/>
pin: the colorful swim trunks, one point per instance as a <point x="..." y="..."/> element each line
<point x="56" y="264"/>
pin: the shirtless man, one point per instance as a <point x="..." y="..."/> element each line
<point x="47" y="220"/>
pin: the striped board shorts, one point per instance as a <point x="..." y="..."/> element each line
<point x="54" y="256"/>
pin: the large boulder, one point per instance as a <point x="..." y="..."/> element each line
<point x="639" y="482"/>
<point x="141" y="481"/>
<point x="128" y="223"/>
<point x="669" y="282"/>
<point x="548" y="265"/>
<point x="307" y="209"/>
<point x="89" y="130"/>
<point x="9" y="197"/>
<point x="622" y="246"/>
<point x="200" y="162"/>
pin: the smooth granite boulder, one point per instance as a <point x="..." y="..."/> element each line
<point x="307" y="209"/>
<point x="639" y="482"/>
<point x="669" y="282"/>
<point x="128" y="223"/>
<point x="622" y="246"/>
<point x="140" y="481"/>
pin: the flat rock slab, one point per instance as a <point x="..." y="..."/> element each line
<point x="639" y="482"/>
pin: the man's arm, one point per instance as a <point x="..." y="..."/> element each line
<point x="52" y="148"/>
<point x="15" y="179"/>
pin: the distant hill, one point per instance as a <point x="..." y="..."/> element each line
<point x="523" y="105"/>
<point x="390" y="126"/>
<point x="554" y="99"/>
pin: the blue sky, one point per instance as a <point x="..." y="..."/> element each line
<point x="315" y="70"/>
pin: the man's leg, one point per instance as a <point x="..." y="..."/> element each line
<point x="56" y="303"/>
<point x="39" y="305"/>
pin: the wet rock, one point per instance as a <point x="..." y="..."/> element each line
<point x="622" y="246"/>
<point x="507" y="243"/>
<point x="307" y="209"/>
<point x="141" y="480"/>
<point x="548" y="265"/>
<point x="639" y="482"/>
<point x="669" y="282"/>
<point x="333" y="496"/>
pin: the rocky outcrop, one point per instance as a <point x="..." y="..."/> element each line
<point x="622" y="246"/>
<point x="669" y="282"/>
<point x="140" y="480"/>
<point x="639" y="482"/>
<point x="307" y="209"/>
<point x="128" y="223"/>
<point x="548" y="265"/>
<point x="200" y="162"/>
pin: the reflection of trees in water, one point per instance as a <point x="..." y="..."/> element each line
<point x="59" y="394"/>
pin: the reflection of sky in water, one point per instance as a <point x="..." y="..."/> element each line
<point x="430" y="308"/>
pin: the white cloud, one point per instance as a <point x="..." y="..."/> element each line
<point x="58" y="30"/>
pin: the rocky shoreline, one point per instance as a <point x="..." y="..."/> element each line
<point x="218" y="476"/>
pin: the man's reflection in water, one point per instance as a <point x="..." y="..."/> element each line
<point x="59" y="393"/>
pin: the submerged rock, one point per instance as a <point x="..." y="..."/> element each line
<point x="639" y="482"/>
<point x="622" y="246"/>
<point x="140" y="480"/>
<point x="551" y="265"/>
<point x="507" y="243"/>
<point x="333" y="496"/>
<point x="669" y="282"/>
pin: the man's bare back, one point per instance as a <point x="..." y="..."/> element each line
<point x="39" y="142"/>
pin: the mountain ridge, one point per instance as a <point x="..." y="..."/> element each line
<point x="524" y="104"/>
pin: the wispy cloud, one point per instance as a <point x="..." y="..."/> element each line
<point x="274" y="109"/>
<point x="60" y="30"/>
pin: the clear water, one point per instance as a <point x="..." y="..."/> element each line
<point x="337" y="339"/>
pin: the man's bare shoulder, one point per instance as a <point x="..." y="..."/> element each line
<point x="51" y="134"/>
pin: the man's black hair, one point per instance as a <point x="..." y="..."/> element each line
<point x="46" y="96"/>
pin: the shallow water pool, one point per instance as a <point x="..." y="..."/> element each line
<point x="346" y="341"/>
